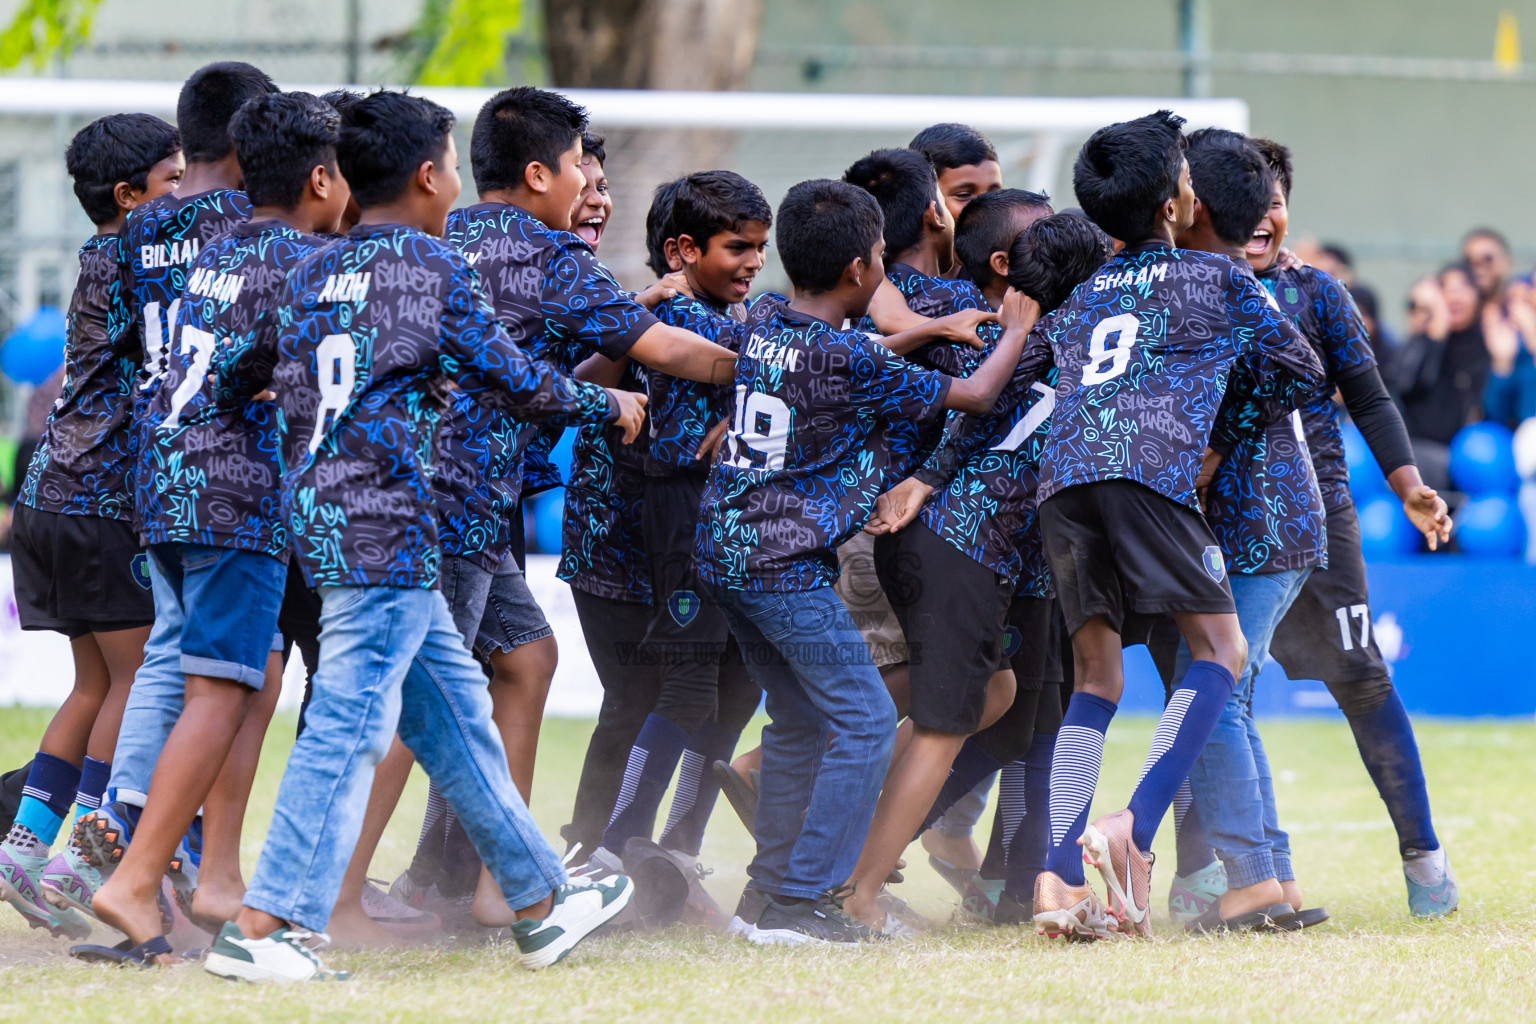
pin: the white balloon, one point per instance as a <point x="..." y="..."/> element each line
<point x="1525" y="449"/>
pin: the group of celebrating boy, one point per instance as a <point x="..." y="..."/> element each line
<point x="918" y="507"/>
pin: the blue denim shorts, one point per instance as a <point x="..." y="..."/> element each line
<point x="498" y="605"/>
<point x="229" y="601"/>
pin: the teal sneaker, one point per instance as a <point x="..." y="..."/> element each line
<point x="1432" y="889"/>
<point x="19" y="887"/>
<point x="980" y="898"/>
<point x="1192" y="895"/>
<point x="69" y="883"/>
<point x="580" y="908"/>
<point x="283" y="957"/>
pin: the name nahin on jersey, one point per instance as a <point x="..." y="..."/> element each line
<point x="223" y="287"/>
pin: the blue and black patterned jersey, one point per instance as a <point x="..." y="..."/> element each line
<point x="84" y="461"/>
<point x="560" y="305"/>
<point x="373" y="332"/>
<point x="808" y="450"/>
<point x="1263" y="504"/>
<point x="682" y="411"/>
<point x="602" y="544"/>
<point x="1159" y="351"/>
<point x="1326" y="314"/>
<point x="983" y="502"/>
<point x="211" y="472"/>
<point x="934" y="297"/>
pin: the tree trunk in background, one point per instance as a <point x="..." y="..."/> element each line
<point x="650" y="44"/>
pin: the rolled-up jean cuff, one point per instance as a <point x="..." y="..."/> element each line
<point x="279" y="643"/>
<point x="1283" y="870"/>
<point x="1250" y="869"/>
<point x="215" y="669"/>
<point x="486" y="646"/>
<point x="131" y="797"/>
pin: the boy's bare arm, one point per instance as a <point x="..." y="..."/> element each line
<point x="684" y="354"/>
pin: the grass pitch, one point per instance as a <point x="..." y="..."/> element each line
<point x="1371" y="963"/>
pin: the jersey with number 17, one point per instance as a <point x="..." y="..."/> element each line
<point x="1159" y="351"/>
<point x="212" y="466"/>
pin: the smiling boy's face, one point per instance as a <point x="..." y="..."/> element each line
<point x="725" y="268"/>
<point x="595" y="205"/>
<point x="1264" y="247"/>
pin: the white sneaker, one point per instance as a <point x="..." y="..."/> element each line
<point x="282" y="957"/>
<point x="580" y="908"/>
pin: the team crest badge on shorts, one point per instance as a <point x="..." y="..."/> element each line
<point x="139" y="566"/>
<point x="684" y="606"/>
<point x="1012" y="641"/>
<point x="1215" y="565"/>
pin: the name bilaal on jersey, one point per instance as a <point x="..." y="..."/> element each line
<point x="1159" y="351"/>
<point x="84" y="460"/>
<point x="559" y="304"/>
<point x="807" y="452"/>
<point x="373" y="331"/>
<point x="211" y="472"/>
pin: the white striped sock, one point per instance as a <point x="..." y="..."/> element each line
<point x="1167" y="728"/>
<point x="631" y="783"/>
<point x="1181" y="802"/>
<point x="1074" y="776"/>
<point x="1010" y="800"/>
<point x="688" y="775"/>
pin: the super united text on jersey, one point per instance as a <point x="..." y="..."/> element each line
<point x="372" y="332"/>
<point x="807" y="452"/>
<point x="211" y="472"/>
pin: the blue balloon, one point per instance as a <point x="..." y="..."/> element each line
<point x="1365" y="479"/>
<point x="35" y="349"/>
<point x="1490" y="527"/>
<point x="1483" y="460"/>
<point x="1385" y="532"/>
<point x="548" y="518"/>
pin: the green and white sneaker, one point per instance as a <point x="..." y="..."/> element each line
<point x="1192" y="895"/>
<point x="580" y="908"/>
<point x="282" y="957"/>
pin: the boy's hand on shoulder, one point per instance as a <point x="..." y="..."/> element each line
<point x="1288" y="260"/>
<point x="672" y="285"/>
<point x="1018" y="310"/>
<point x="631" y="417"/>
<point x="962" y="326"/>
<point x="897" y="507"/>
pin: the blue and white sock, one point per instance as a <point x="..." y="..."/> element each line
<point x="1391" y="755"/>
<point x="45" y="800"/>
<point x="1032" y="838"/>
<point x="697" y="789"/>
<point x="1188" y="719"/>
<point x="1074" y="776"/>
<point x="1194" y="850"/>
<point x="651" y="762"/>
<point x="1012" y="803"/>
<point x="93" y="783"/>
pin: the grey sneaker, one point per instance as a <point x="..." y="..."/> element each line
<point x="787" y="921"/>
<point x="579" y="909"/>
<point x="1432" y="889"/>
<point x="282" y="957"/>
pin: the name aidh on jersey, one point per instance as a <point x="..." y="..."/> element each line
<point x="352" y="287"/>
<point x="168" y="254"/>
<point x="209" y="282"/>
<point x="1131" y="278"/>
<point x="765" y="350"/>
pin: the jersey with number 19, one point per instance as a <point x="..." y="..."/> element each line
<point x="373" y="331"/>
<point x="210" y="475"/>
<point x="1158" y="351"/>
<point x="807" y="451"/>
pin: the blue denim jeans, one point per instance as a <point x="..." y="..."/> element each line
<point x="828" y="741"/>
<point x="392" y="658"/>
<point x="155" y="700"/>
<point x="1231" y="781"/>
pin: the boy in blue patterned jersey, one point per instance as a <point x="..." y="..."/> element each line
<point x="966" y="164"/>
<point x="1264" y="508"/>
<point x="718" y="225"/>
<point x="1142" y="390"/>
<point x="210" y="514"/>
<point x="371" y="331"/>
<point x="76" y="564"/>
<point x="550" y="291"/>
<point x="1326" y="635"/>
<point x="808" y="451"/>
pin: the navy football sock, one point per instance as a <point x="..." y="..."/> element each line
<point x="1192" y="711"/>
<point x="49" y="790"/>
<point x="93" y="783"/>
<point x="651" y="761"/>
<point x="1074" y="776"/>
<point x="971" y="765"/>
<point x="1032" y="838"/>
<point x="697" y="789"/>
<point x="1194" y="851"/>
<point x="1010" y="803"/>
<point x="1391" y="755"/>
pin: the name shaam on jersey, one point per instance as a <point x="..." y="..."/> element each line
<point x="1131" y="278"/>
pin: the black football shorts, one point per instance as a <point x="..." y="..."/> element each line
<point x="76" y="574"/>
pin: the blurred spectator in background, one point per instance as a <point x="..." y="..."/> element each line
<point x="1509" y="327"/>
<point x="1443" y="368"/>
<point x="39" y="405"/>
<point x="1486" y="252"/>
